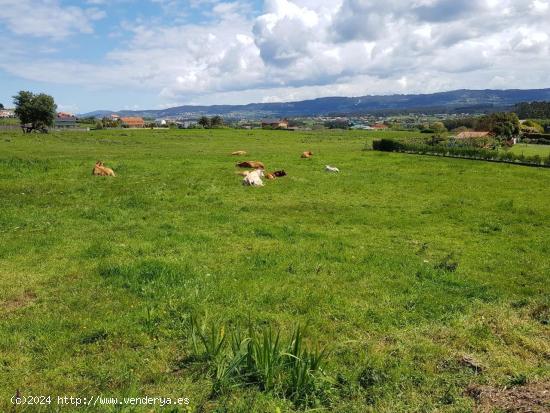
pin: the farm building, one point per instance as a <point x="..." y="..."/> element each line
<point x="379" y="126"/>
<point x="275" y="123"/>
<point x="65" y="120"/>
<point x="470" y="135"/>
<point x="133" y="122"/>
<point x="7" y="113"/>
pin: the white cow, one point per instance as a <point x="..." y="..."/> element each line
<point x="329" y="168"/>
<point x="254" y="178"/>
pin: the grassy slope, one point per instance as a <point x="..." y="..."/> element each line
<point x="351" y="254"/>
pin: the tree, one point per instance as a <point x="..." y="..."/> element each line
<point x="35" y="112"/>
<point x="530" y="126"/>
<point x="438" y="128"/>
<point x="204" y="121"/>
<point x="503" y="125"/>
<point x="535" y="110"/>
<point x="337" y="124"/>
<point x="216" y="122"/>
<point x="1" y="106"/>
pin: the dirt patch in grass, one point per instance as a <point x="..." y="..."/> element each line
<point x="531" y="398"/>
<point x="16" y="303"/>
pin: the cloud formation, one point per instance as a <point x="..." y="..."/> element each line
<point x="294" y="49"/>
<point x="47" y="18"/>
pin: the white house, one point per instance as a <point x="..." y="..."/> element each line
<point x="7" y="113"/>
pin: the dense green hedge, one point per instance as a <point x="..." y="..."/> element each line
<point x="390" y="145"/>
<point x="537" y="138"/>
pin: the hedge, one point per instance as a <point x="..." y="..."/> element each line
<point x="536" y="138"/>
<point x="468" y="152"/>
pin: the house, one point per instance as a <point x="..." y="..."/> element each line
<point x="471" y="135"/>
<point x="360" y="126"/>
<point x="379" y="126"/>
<point x="65" y="120"/>
<point x="132" y="122"/>
<point x="275" y="123"/>
<point x="7" y="113"/>
<point x="185" y="124"/>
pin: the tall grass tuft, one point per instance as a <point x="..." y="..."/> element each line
<point x="213" y="341"/>
<point x="259" y="358"/>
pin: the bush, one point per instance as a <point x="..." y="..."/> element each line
<point x="537" y="138"/>
<point x="451" y="150"/>
<point x="386" y="145"/>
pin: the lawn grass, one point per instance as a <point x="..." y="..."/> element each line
<point x="399" y="265"/>
<point x="531" y="149"/>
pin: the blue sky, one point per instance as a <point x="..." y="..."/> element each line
<point x="148" y="54"/>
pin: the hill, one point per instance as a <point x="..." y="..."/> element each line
<point x="458" y="101"/>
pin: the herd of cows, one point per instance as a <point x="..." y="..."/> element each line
<point x="254" y="177"/>
<point x="251" y="177"/>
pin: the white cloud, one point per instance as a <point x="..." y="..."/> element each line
<point x="296" y="49"/>
<point x="47" y="18"/>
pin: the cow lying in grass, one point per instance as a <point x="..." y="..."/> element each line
<point x="329" y="168"/>
<point x="254" y="178"/>
<point x="307" y="154"/>
<point x="239" y="153"/>
<point x="275" y="175"/>
<point x="251" y="164"/>
<point x="101" y="170"/>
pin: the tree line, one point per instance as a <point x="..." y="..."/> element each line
<point x="533" y="110"/>
<point x="211" y="123"/>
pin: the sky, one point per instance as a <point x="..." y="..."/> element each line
<point x="153" y="54"/>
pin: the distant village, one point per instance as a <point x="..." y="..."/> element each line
<point x="65" y="120"/>
<point x="425" y="123"/>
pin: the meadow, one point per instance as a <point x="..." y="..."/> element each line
<point x="531" y="149"/>
<point x="401" y="267"/>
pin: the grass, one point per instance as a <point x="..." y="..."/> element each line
<point x="9" y="121"/>
<point x="399" y="265"/>
<point x="531" y="149"/>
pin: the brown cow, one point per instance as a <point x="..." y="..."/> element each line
<point x="101" y="170"/>
<point x="275" y="174"/>
<point x="307" y="154"/>
<point x="251" y="164"/>
<point x="239" y="153"/>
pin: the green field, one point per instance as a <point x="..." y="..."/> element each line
<point x="531" y="149"/>
<point x="9" y="122"/>
<point x="399" y="266"/>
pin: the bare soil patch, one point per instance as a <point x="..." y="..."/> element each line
<point x="18" y="302"/>
<point x="531" y="398"/>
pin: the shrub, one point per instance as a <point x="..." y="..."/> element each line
<point x="457" y="149"/>
<point x="540" y="138"/>
<point x="535" y="159"/>
<point x="386" y="145"/>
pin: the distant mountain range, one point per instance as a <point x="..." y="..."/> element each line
<point x="457" y="101"/>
